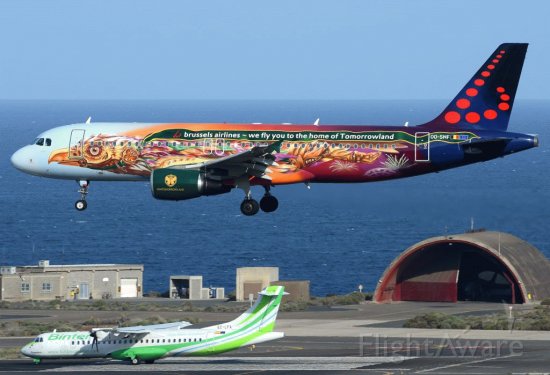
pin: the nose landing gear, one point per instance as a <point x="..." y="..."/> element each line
<point x="81" y="204"/>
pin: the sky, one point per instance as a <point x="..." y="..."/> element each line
<point x="286" y="49"/>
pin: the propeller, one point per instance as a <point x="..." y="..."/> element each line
<point x="95" y="342"/>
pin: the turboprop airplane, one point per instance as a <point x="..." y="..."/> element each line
<point x="149" y="343"/>
<point x="185" y="161"/>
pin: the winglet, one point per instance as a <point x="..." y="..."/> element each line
<point x="316" y="123"/>
<point x="89" y="120"/>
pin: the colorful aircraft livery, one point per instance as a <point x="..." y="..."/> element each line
<point x="185" y="161"/>
<point x="149" y="343"/>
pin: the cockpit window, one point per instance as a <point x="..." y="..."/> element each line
<point x="39" y="141"/>
<point x="38" y="339"/>
<point x="48" y="142"/>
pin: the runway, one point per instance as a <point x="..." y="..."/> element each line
<point x="332" y="355"/>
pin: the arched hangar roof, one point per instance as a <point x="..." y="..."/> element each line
<point x="438" y="268"/>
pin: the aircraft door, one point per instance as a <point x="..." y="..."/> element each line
<point x="422" y="146"/>
<point x="76" y="144"/>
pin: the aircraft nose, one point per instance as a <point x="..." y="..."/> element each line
<point x="22" y="159"/>
<point x="18" y="159"/>
<point x="25" y="350"/>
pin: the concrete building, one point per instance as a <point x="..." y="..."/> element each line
<point x="298" y="290"/>
<point x="479" y="266"/>
<point x="251" y="280"/>
<point x="190" y="287"/>
<point x="66" y="282"/>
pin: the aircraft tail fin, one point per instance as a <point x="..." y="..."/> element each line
<point x="486" y="100"/>
<point x="261" y="316"/>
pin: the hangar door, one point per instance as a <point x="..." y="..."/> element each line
<point x="128" y="288"/>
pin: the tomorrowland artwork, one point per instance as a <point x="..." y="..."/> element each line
<point x="302" y="156"/>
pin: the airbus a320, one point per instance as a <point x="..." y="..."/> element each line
<point x="188" y="160"/>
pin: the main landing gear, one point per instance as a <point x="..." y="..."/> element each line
<point x="250" y="206"/>
<point x="81" y="204"/>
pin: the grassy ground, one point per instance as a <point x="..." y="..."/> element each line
<point x="31" y="328"/>
<point x="182" y="306"/>
<point x="14" y="328"/>
<point x="11" y="353"/>
<point x="537" y="319"/>
<point x="117" y="305"/>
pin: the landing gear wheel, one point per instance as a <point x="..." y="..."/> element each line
<point x="135" y="361"/>
<point x="269" y="203"/>
<point x="80" y="205"/>
<point x="250" y="207"/>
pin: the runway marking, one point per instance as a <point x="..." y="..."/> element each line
<point x="468" y="363"/>
<point x="247" y="364"/>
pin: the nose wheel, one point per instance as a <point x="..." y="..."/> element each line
<point x="81" y="204"/>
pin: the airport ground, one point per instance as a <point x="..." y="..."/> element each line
<point x="366" y="338"/>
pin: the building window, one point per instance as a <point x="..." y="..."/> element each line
<point x="46" y="287"/>
<point x="25" y="287"/>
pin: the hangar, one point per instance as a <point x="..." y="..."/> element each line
<point x="476" y="266"/>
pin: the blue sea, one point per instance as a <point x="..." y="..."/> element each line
<point x="335" y="235"/>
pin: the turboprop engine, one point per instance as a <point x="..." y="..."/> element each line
<point x="180" y="184"/>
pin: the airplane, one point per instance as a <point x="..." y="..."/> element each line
<point x="148" y="343"/>
<point x="188" y="160"/>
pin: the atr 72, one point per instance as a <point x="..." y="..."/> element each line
<point x="149" y="343"/>
<point x="185" y="161"/>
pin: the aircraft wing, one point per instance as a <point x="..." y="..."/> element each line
<point x="251" y="163"/>
<point x="140" y="330"/>
<point x="151" y="328"/>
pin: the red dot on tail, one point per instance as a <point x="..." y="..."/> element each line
<point x="485" y="73"/>
<point x="502" y="52"/>
<point x="505" y="97"/>
<point x="471" y="92"/>
<point x="495" y="61"/>
<point x="452" y="117"/>
<point x="472" y="117"/>
<point x="490" y="67"/>
<point x="500" y="89"/>
<point x="490" y="114"/>
<point x="462" y="103"/>
<point x="499" y="56"/>
<point x="504" y="106"/>
<point x="479" y="82"/>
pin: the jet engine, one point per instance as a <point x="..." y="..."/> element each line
<point x="180" y="184"/>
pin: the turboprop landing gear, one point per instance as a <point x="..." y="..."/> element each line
<point x="268" y="203"/>
<point x="135" y="361"/>
<point x="81" y="204"/>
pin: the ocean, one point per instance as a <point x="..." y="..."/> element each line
<point x="335" y="235"/>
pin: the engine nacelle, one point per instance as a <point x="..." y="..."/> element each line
<point x="176" y="184"/>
